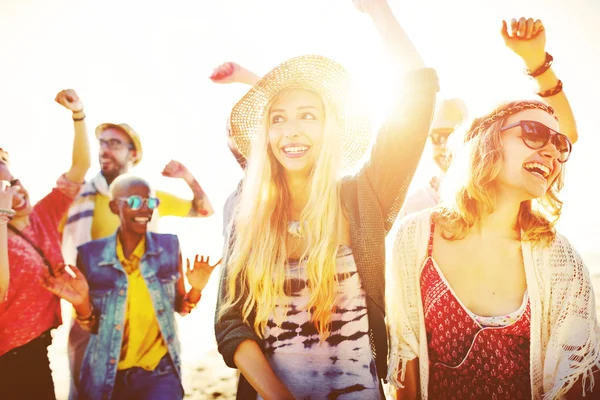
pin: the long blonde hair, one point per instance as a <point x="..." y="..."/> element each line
<point x="257" y="264"/>
<point x="468" y="190"/>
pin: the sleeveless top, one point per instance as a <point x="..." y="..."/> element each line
<point x="339" y="367"/>
<point x="468" y="360"/>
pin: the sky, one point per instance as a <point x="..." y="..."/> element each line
<point x="146" y="63"/>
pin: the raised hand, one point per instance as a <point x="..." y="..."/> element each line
<point x="371" y="6"/>
<point x="231" y="72"/>
<point x="175" y="169"/>
<point x="69" y="99"/>
<point x="73" y="289"/>
<point x="527" y="38"/>
<point x="199" y="275"/>
<point x="6" y="194"/>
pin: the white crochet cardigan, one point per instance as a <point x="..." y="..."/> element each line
<point x="565" y="336"/>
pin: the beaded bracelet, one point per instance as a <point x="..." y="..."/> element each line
<point x="545" y="67"/>
<point x="552" y="91"/>
<point x="88" y="320"/>
<point x="8" y="213"/>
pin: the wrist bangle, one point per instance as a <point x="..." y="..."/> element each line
<point x="545" y="67"/>
<point x="87" y="319"/>
<point x="78" y="115"/>
<point x="8" y="213"/>
<point x="553" y="91"/>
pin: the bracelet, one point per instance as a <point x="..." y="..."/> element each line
<point x="553" y="91"/>
<point x="8" y="213"/>
<point x="190" y="304"/>
<point x="89" y="319"/>
<point x="545" y="67"/>
<point x="78" y="115"/>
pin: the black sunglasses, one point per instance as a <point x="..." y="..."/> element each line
<point x="536" y="135"/>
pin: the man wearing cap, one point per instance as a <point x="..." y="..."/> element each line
<point x="449" y="115"/>
<point x="90" y="218"/>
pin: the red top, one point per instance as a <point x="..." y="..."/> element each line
<point x="466" y="360"/>
<point x="29" y="309"/>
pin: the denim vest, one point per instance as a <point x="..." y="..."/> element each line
<point x="107" y="280"/>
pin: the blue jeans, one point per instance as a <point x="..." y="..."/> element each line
<point x="138" y="384"/>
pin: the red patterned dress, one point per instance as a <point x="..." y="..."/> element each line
<point x="468" y="360"/>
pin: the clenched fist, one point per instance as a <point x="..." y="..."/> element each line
<point x="69" y="99"/>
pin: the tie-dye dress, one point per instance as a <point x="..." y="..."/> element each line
<point x="341" y="367"/>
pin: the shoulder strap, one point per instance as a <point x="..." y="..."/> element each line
<point x="430" y="244"/>
<point x="37" y="249"/>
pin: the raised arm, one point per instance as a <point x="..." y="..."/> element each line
<point x="398" y="45"/>
<point x="527" y="38"/>
<point x="231" y="72"/>
<point x="80" y="162"/>
<point x="201" y="206"/>
<point x="401" y="140"/>
<point x="6" y="195"/>
<point x="74" y="289"/>
<point x="198" y="277"/>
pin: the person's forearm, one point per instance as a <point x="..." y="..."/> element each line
<point x="4" y="266"/>
<point x="560" y="103"/>
<point x="250" y="78"/>
<point x="577" y="389"/>
<point x="252" y="363"/>
<point x="411" y="383"/>
<point x="200" y="204"/>
<point x="81" y="160"/>
<point x="396" y="41"/>
<point x="84" y="316"/>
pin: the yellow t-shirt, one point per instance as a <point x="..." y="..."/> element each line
<point x="143" y="344"/>
<point x="105" y="223"/>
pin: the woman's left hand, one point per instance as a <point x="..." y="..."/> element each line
<point x="199" y="275"/>
<point x="527" y="38"/>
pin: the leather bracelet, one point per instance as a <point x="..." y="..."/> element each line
<point x="545" y="67"/>
<point x="553" y="91"/>
<point x="78" y="115"/>
<point x="89" y="319"/>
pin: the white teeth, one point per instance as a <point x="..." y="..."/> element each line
<point x="295" y="149"/>
<point x="141" y="219"/>
<point x="545" y="171"/>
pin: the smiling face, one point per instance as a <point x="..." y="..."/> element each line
<point x="20" y="202"/>
<point x="132" y="221"/>
<point x="296" y="128"/>
<point x="527" y="172"/>
<point x="116" y="153"/>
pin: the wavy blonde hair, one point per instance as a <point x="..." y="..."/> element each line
<point x="469" y="188"/>
<point x="257" y="265"/>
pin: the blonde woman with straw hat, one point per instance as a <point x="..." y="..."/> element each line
<point x="301" y="302"/>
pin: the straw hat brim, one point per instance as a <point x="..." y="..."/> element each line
<point x="316" y="73"/>
<point x="128" y="130"/>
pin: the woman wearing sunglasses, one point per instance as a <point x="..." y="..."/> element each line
<point x="485" y="298"/>
<point x="125" y="290"/>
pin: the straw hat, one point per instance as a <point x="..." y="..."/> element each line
<point x="319" y="74"/>
<point x="128" y="130"/>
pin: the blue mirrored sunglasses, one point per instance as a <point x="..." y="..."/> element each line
<point x="136" y="202"/>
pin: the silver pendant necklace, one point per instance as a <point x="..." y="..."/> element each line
<point x="294" y="229"/>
